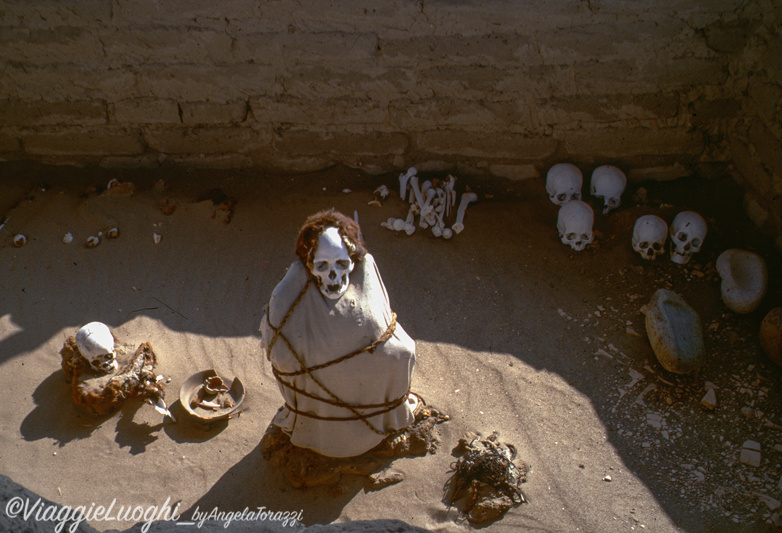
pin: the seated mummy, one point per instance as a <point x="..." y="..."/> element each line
<point x="342" y="363"/>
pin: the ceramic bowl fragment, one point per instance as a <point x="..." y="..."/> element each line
<point x="744" y="279"/>
<point x="208" y="397"/>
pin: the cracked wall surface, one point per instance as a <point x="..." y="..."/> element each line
<point x="663" y="89"/>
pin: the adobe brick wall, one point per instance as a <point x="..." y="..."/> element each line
<point x="664" y="89"/>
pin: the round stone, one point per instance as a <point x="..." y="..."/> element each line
<point x="675" y="332"/>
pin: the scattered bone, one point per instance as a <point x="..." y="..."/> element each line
<point x="20" y="240"/>
<point x="750" y="453"/>
<point x="113" y="233"/>
<point x="93" y="241"/>
<point x="467" y="198"/>
<point x="67" y="238"/>
<point x="156" y="238"/>
<point x="710" y="400"/>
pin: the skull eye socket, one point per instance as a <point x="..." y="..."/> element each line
<point x="570" y="236"/>
<point x="613" y="202"/>
<point x="657" y="246"/>
<point x="322" y="266"/>
<point x="696" y="243"/>
<point x="585" y="236"/>
<point x="344" y="263"/>
<point x="643" y="244"/>
<point x="562" y="197"/>
<point x="681" y="237"/>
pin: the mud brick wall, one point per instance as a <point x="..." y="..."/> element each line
<point x="664" y="88"/>
<point x="755" y="140"/>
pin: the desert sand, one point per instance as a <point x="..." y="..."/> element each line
<point x="514" y="332"/>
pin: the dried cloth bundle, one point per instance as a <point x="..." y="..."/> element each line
<point x="102" y="394"/>
<point x="485" y="482"/>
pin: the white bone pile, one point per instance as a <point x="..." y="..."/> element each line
<point x="432" y="204"/>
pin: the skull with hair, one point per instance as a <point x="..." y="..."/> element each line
<point x="329" y="245"/>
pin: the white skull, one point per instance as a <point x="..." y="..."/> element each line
<point x="574" y="223"/>
<point x="608" y="183"/>
<point x="688" y="231"/>
<point x="563" y="183"/>
<point x="96" y="344"/>
<point x="649" y="236"/>
<point x="331" y="264"/>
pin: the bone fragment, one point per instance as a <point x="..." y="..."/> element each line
<point x="467" y="198"/>
<point x="403" y="179"/>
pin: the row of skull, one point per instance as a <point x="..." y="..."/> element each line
<point x="576" y="218"/>
<point x="650" y="233"/>
<point x="564" y="182"/>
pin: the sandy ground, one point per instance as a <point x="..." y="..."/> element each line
<point x="515" y="332"/>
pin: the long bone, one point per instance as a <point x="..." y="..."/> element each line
<point x="467" y="197"/>
<point x="403" y="179"/>
<point x="416" y="191"/>
<point x="450" y="194"/>
<point x="427" y="209"/>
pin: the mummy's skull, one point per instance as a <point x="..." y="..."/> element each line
<point x="331" y="264"/>
<point x="96" y="344"/>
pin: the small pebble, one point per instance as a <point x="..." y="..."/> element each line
<point x="20" y="240"/>
<point x="92" y="241"/>
<point x="67" y="238"/>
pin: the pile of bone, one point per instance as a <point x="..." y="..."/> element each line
<point x="576" y="218"/>
<point x="432" y="202"/>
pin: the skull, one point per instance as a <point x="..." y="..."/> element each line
<point x="649" y="236"/>
<point x="563" y="183"/>
<point x="331" y="264"/>
<point x="96" y="344"/>
<point x="688" y="231"/>
<point x="608" y="183"/>
<point x="574" y="223"/>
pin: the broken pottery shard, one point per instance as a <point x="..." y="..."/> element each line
<point x="744" y="279"/>
<point x="750" y="453"/>
<point x="675" y="332"/>
<point x="710" y="400"/>
<point x="771" y="335"/>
